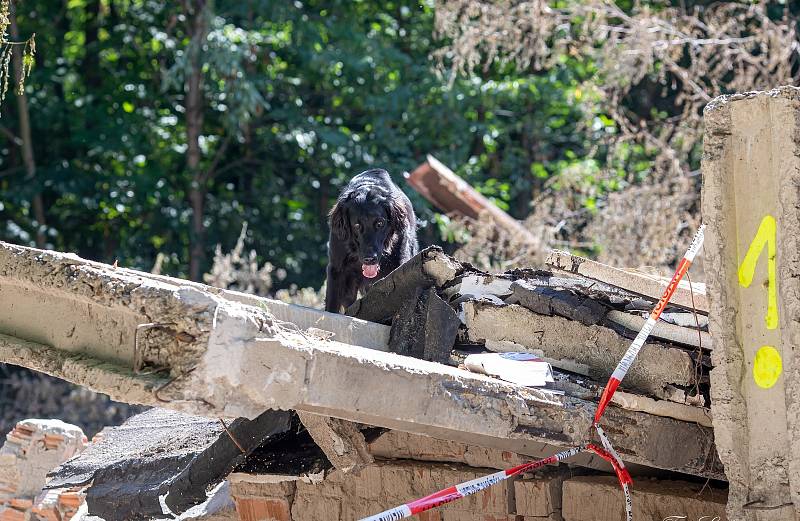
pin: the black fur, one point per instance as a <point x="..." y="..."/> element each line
<point x="372" y="222"/>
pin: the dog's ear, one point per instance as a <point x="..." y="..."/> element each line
<point x="339" y="220"/>
<point x="398" y="214"/>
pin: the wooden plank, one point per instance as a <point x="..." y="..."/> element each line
<point x="635" y="282"/>
<point x="451" y="194"/>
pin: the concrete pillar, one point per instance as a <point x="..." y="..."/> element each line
<point x="751" y="204"/>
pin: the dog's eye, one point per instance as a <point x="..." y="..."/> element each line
<point x="380" y="223"/>
<point x="357" y="227"/>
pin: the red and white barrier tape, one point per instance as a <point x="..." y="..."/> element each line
<point x="630" y="355"/>
<point x="468" y="488"/>
<point x="624" y="477"/>
<point x="606" y="452"/>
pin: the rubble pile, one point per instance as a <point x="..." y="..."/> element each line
<point x="31" y="450"/>
<point x="578" y="315"/>
<point x="361" y="384"/>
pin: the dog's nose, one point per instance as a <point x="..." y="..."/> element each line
<point x="372" y="259"/>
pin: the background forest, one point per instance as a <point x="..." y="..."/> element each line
<point x="149" y="132"/>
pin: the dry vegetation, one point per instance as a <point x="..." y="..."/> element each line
<point x="695" y="54"/>
<point x="239" y="271"/>
<point x="689" y="56"/>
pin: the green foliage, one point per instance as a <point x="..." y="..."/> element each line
<point x="298" y="97"/>
<point x="7" y="46"/>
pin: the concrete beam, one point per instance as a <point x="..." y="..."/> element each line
<point x="751" y="171"/>
<point x="52" y="276"/>
<point x="209" y="355"/>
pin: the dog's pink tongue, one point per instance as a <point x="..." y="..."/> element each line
<point x="370" y="270"/>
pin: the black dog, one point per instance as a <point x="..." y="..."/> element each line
<point x="373" y="231"/>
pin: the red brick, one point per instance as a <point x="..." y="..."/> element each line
<point x="263" y="509"/>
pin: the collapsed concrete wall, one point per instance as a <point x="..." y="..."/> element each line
<point x="751" y="171"/>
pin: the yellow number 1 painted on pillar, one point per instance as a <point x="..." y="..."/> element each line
<point x="765" y="236"/>
<point x="767" y="364"/>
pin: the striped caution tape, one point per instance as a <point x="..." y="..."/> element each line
<point x="624" y="477"/>
<point x="630" y="355"/>
<point x="607" y="452"/>
<point x="467" y="488"/>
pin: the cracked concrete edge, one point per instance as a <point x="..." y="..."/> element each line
<point x="340" y="440"/>
<point x="597" y="347"/>
<point x="441" y="268"/>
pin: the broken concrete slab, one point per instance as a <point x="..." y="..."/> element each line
<point x="635" y="282"/>
<point x="751" y="161"/>
<point x="430" y="267"/>
<point x="340" y="440"/>
<point x="47" y="280"/>
<point x="457" y="404"/>
<point x="551" y="301"/>
<point x="425" y="327"/>
<point x="595" y="346"/>
<point x="663" y="330"/>
<point x="162" y="455"/>
<point x="590" y="310"/>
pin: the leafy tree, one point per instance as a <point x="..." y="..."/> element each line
<point x="160" y="129"/>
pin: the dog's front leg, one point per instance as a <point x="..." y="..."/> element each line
<point x="333" y="292"/>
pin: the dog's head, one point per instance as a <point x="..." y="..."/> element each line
<point x="369" y="218"/>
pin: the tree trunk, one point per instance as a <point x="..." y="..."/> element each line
<point x="40" y="220"/>
<point x="194" y="127"/>
<point x="91" y="60"/>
